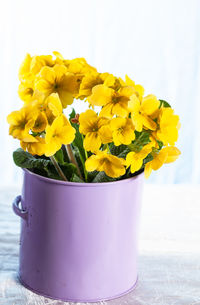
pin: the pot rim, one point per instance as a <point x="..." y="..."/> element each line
<point x="85" y="184"/>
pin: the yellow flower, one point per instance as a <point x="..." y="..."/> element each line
<point x="79" y="66"/>
<point x="26" y="91"/>
<point x="34" y="148"/>
<point x="135" y="159"/>
<point x="93" y="79"/>
<point x="50" y="106"/>
<point x="166" y="155"/>
<point x="40" y="122"/>
<point x="57" y="80"/>
<point x="129" y="82"/>
<point x="113" y="102"/>
<point x="96" y="130"/>
<point x="60" y="132"/>
<point x="21" y="122"/>
<point x="88" y="82"/>
<point x="102" y="161"/>
<point x="141" y="112"/>
<point x="38" y="62"/>
<point x="168" y="126"/>
<point x="122" y="131"/>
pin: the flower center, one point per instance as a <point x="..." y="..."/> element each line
<point x="55" y="86"/>
<point x="120" y="129"/>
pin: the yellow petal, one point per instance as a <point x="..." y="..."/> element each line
<point x="149" y="104"/>
<point x="91" y="163"/>
<point x="172" y="153"/>
<point x="129" y="158"/>
<point x="67" y="135"/>
<point x="25" y="67"/>
<point x="66" y="98"/>
<point x="106" y="111"/>
<point x="105" y="134"/>
<point x="52" y="148"/>
<point x="101" y="95"/>
<point x="148" y="122"/>
<point x="88" y="121"/>
<point x="114" y="167"/>
<point x="54" y="104"/>
<point x="117" y="123"/>
<point x="126" y="91"/>
<point x="58" y="55"/>
<point x="159" y="160"/>
<point x="48" y="74"/>
<point x="92" y="141"/>
<point x="137" y="120"/>
<point x="129" y="82"/>
<point x="147" y="170"/>
<point x="121" y="108"/>
<point x="40" y="123"/>
<point x="136" y="165"/>
<point x="134" y="104"/>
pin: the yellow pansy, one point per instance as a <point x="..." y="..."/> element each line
<point x="168" y="126"/>
<point x="103" y="161"/>
<point x="135" y="159"/>
<point x="166" y="155"/>
<point x="57" y="80"/>
<point x="141" y="111"/>
<point x="21" y="122"/>
<point x="129" y="82"/>
<point x="122" y="131"/>
<point x="34" y="148"/>
<point x="96" y="130"/>
<point x="60" y="132"/>
<point x="113" y="102"/>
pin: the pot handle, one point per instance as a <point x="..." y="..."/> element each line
<point x="20" y="212"/>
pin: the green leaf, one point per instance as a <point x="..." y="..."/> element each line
<point x="160" y="144"/>
<point x="148" y="159"/>
<point x="119" y="151"/>
<point x="142" y="138"/>
<point x="78" y="141"/>
<point x="102" y="177"/>
<point x="164" y="104"/>
<point x="76" y="178"/>
<point x="25" y="160"/>
<point x="69" y="169"/>
<point x="60" y="157"/>
<point x="72" y="114"/>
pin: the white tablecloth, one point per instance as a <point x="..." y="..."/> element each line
<point x="169" y="261"/>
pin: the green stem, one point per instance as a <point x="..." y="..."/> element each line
<point x="57" y="167"/>
<point x="83" y="162"/>
<point x="73" y="159"/>
<point x="108" y="148"/>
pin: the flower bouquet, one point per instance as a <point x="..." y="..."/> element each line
<point x="83" y="175"/>
<point x="130" y="132"/>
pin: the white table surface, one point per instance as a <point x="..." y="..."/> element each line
<point x="169" y="261"/>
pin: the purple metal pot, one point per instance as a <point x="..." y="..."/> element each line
<point x="79" y="240"/>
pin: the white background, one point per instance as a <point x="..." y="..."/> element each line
<point x="157" y="43"/>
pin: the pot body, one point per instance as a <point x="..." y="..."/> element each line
<point x="79" y="240"/>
